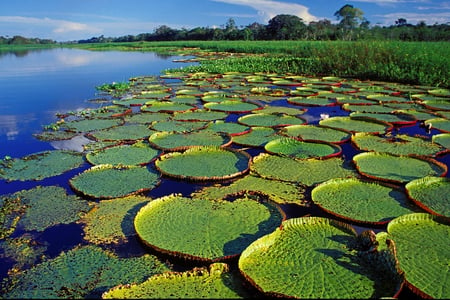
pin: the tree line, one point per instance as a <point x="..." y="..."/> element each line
<point x="352" y="26"/>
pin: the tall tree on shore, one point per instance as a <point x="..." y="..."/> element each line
<point x="350" y="18"/>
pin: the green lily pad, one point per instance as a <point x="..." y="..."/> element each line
<point x="357" y="124"/>
<point x="269" y="120"/>
<point x="204" y="163"/>
<point x="147" y="118"/>
<point x="203" y="229"/>
<point x="233" y="129"/>
<point x="305" y="171"/>
<point x="178" y="126"/>
<point x="278" y="191"/>
<point x="361" y="201"/>
<point x="435" y="104"/>
<point x="401" y="144"/>
<point x="442" y="139"/>
<point x="131" y="132"/>
<point x="440" y="92"/>
<point x="374" y="108"/>
<point x="214" y="282"/>
<point x="166" y="106"/>
<point x="40" y="165"/>
<point x="179" y="141"/>
<point x="199" y="115"/>
<point x="397" y="168"/>
<point x="441" y="124"/>
<point x="135" y="154"/>
<point x="317" y="132"/>
<point x="393" y="118"/>
<point x="312" y="101"/>
<point x="273" y="109"/>
<point x="431" y="193"/>
<point x="87" y="125"/>
<point x="232" y="106"/>
<point x="83" y="272"/>
<point x="108" y="181"/>
<point x="257" y="137"/>
<point x="311" y="257"/>
<point x="302" y="149"/>
<point x="425" y="267"/>
<point x="111" y="222"/>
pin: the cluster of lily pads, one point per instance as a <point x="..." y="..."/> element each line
<point x="250" y="144"/>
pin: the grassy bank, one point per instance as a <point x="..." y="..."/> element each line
<point x="421" y="63"/>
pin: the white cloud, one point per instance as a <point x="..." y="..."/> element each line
<point x="267" y="9"/>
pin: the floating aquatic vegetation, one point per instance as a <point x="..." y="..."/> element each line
<point x="441" y="124"/>
<point x="87" y="125"/>
<point x="357" y="124"/>
<point x="203" y="229"/>
<point x="111" y="222"/>
<point x="166" y="106"/>
<point x="40" y="165"/>
<point x="131" y="132"/>
<point x="273" y="109"/>
<point x="23" y="250"/>
<point x="83" y="272"/>
<point x="362" y="201"/>
<point x="233" y="129"/>
<point x="232" y="106"/>
<point x="108" y="181"/>
<point x="317" y="132"/>
<point x="431" y="193"/>
<point x="179" y="141"/>
<point x="216" y="281"/>
<point x="55" y="135"/>
<point x="204" y="163"/>
<point x="257" y="137"/>
<point x="401" y="144"/>
<point x="312" y="101"/>
<point x="199" y="115"/>
<point x="278" y="191"/>
<point x="302" y="149"/>
<point x="147" y="118"/>
<point x="421" y="241"/>
<point x="305" y="171"/>
<point x="269" y="120"/>
<point x="185" y="99"/>
<point x="437" y="104"/>
<point x="397" y="168"/>
<point x="373" y="108"/>
<point x="396" y="118"/>
<point x="138" y="153"/>
<point x="440" y="92"/>
<point x="45" y="206"/>
<point x="312" y="257"/>
<point x="442" y="139"/>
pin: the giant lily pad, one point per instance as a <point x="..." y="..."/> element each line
<point x="421" y="242"/>
<point x="269" y="120"/>
<point x="400" y="144"/>
<point x="87" y="125"/>
<point x="257" y="137"/>
<point x="83" y="272"/>
<point x="441" y="124"/>
<point x="166" y="106"/>
<point x="431" y="193"/>
<point x="442" y="139"/>
<point x="178" y="141"/>
<point x="203" y="229"/>
<point x="233" y="129"/>
<point x="178" y="126"/>
<point x="312" y="101"/>
<point x="232" y="106"/>
<point x="311" y="257"/>
<point x="397" y="168"/>
<point x="40" y="165"/>
<point x="317" y="132"/>
<point x="393" y="118"/>
<point x="134" y="154"/>
<point x="199" y="115"/>
<point x="108" y="181"/>
<point x="357" y="124"/>
<point x="302" y="149"/>
<point x="204" y="163"/>
<point x="306" y="171"/>
<point x="278" y="191"/>
<point x="130" y="132"/>
<point x="214" y="282"/>
<point x="111" y="222"/>
<point x="361" y="201"/>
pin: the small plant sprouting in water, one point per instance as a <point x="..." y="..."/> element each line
<point x="116" y="89"/>
<point x="54" y="126"/>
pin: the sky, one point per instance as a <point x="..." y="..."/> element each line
<point x="69" y="20"/>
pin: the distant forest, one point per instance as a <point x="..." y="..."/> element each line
<point x="352" y="26"/>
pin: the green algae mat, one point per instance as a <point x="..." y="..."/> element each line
<point x="313" y="257"/>
<point x="203" y="229"/>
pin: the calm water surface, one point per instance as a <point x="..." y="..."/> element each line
<point x="36" y="85"/>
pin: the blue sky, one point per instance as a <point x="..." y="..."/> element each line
<point x="66" y="20"/>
